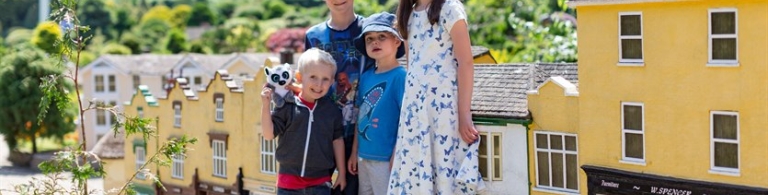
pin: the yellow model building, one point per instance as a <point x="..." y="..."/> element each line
<point x="671" y="99"/>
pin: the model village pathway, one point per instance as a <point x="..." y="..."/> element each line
<point x="11" y="176"/>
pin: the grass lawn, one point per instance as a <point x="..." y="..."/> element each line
<point x="45" y="144"/>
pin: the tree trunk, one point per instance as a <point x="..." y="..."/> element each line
<point x="10" y="139"/>
<point x="34" y="144"/>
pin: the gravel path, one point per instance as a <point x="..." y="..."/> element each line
<point x="11" y="176"/>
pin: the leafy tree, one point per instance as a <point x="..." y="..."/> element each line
<point x="199" y="47"/>
<point x="227" y="8"/>
<point x="131" y="41"/>
<point x="180" y="16"/>
<point x="97" y="42"/>
<point x="291" y="38"/>
<point x="153" y="33"/>
<point x="17" y="36"/>
<point x="45" y="34"/>
<point x="54" y="92"/>
<point x="21" y="73"/>
<point x="368" y="7"/>
<point x="245" y="22"/>
<point x="86" y="58"/>
<point x="177" y="41"/>
<point x="305" y="3"/>
<point x="249" y="11"/>
<point x="2" y="48"/>
<point x="160" y="12"/>
<point x="214" y="38"/>
<point x="275" y="8"/>
<point x="122" y="19"/>
<point x="537" y="43"/>
<point x="519" y="30"/>
<point x="94" y="14"/>
<point x="201" y="14"/>
<point x="116" y="49"/>
<point x="239" y="39"/>
<point x="14" y="14"/>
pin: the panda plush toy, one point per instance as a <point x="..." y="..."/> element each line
<point x="278" y="77"/>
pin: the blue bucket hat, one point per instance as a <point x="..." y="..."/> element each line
<point x="379" y="22"/>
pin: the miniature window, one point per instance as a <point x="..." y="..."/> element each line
<point x="490" y="156"/>
<point x="631" y="37"/>
<point x="268" y="161"/>
<point x="632" y="137"/>
<point x="177" y="166"/>
<point x="219" y="158"/>
<point x="98" y="81"/>
<point x="556" y="161"/>
<point x="723" y="39"/>
<point x="725" y="141"/>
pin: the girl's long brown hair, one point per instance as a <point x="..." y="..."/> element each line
<point x="405" y="9"/>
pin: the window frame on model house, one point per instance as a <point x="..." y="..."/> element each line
<point x="722" y="35"/>
<point x="112" y="83"/>
<point x="177" y="166"/>
<point x="716" y="138"/>
<point x="625" y="60"/>
<point x="547" y="150"/>
<point x="140" y="112"/>
<point x="177" y="114"/>
<point x="268" y="160"/>
<point x="219" y="157"/>
<point x="136" y="81"/>
<point x="141" y="158"/>
<point x="218" y="101"/>
<point x="101" y="117"/>
<point x="219" y="143"/>
<point x="490" y="151"/>
<point x="98" y="83"/>
<point x="626" y="156"/>
<point x="198" y="81"/>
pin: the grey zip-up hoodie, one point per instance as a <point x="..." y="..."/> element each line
<point x="305" y="137"/>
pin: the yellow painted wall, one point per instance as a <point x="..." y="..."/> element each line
<point x="116" y="173"/>
<point x="677" y="88"/>
<point x="232" y="124"/>
<point x="552" y="110"/>
<point x="241" y="121"/>
<point x="252" y="134"/>
<point x="129" y="160"/>
<point x="485" y="59"/>
<point x="167" y="131"/>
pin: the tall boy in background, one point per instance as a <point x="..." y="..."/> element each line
<point x="335" y="36"/>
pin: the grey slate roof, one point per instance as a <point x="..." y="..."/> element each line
<point x="479" y="50"/>
<point x="211" y="62"/>
<point x="110" y="146"/>
<point x="546" y="70"/>
<point x="148" y="64"/>
<point x="500" y="89"/>
<point x="195" y="32"/>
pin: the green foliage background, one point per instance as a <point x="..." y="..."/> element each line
<point x="515" y="30"/>
<point x="22" y="71"/>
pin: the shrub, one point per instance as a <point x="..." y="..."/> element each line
<point x="46" y="35"/>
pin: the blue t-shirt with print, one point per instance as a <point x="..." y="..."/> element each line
<point x="348" y="62"/>
<point x="381" y="95"/>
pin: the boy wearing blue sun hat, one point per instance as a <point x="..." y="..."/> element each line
<point x="380" y="96"/>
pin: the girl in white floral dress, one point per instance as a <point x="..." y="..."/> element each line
<point x="436" y="150"/>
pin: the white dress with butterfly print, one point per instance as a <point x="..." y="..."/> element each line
<point x="430" y="156"/>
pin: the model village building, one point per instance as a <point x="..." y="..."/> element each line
<point x="223" y="113"/>
<point x="669" y="97"/>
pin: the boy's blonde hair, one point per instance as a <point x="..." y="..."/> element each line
<point x="316" y="56"/>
